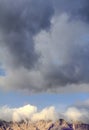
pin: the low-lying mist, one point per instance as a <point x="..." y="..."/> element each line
<point x="31" y="113"/>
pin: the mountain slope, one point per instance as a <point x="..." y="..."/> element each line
<point x="43" y="125"/>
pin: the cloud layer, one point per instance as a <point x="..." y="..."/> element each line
<point x="44" y="45"/>
<point x="32" y="113"/>
<point x="27" y="112"/>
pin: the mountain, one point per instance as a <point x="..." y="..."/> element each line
<point x="60" y="124"/>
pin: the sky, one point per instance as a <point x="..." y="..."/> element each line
<point x="44" y="58"/>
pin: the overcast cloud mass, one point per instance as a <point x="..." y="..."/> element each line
<point x="44" y="45"/>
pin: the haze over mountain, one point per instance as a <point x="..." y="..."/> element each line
<point x="32" y="113"/>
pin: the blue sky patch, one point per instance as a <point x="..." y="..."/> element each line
<point x="2" y="72"/>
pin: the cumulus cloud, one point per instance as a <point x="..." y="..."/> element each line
<point x="27" y="112"/>
<point x="46" y="114"/>
<point x="78" y="112"/>
<point x="17" y="114"/>
<point x="73" y="114"/>
<point x="44" y="45"/>
<point x="32" y="113"/>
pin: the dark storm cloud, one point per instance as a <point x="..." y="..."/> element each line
<point x="20" y="20"/>
<point x="63" y="52"/>
<point x="75" y="70"/>
<point x="78" y="9"/>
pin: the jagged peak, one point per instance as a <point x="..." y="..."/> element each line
<point x="60" y="124"/>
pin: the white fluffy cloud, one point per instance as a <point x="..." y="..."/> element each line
<point x="27" y="112"/>
<point x="17" y="114"/>
<point x="78" y="112"/>
<point x="46" y="114"/>
<point x="72" y="113"/>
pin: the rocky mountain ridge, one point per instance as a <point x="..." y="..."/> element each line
<point x="61" y="124"/>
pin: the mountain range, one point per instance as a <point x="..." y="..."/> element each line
<point x="60" y="124"/>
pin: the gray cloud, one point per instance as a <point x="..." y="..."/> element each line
<point x="67" y="62"/>
<point x="64" y="50"/>
<point x="78" y="9"/>
<point x="75" y="70"/>
<point x="20" y="20"/>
